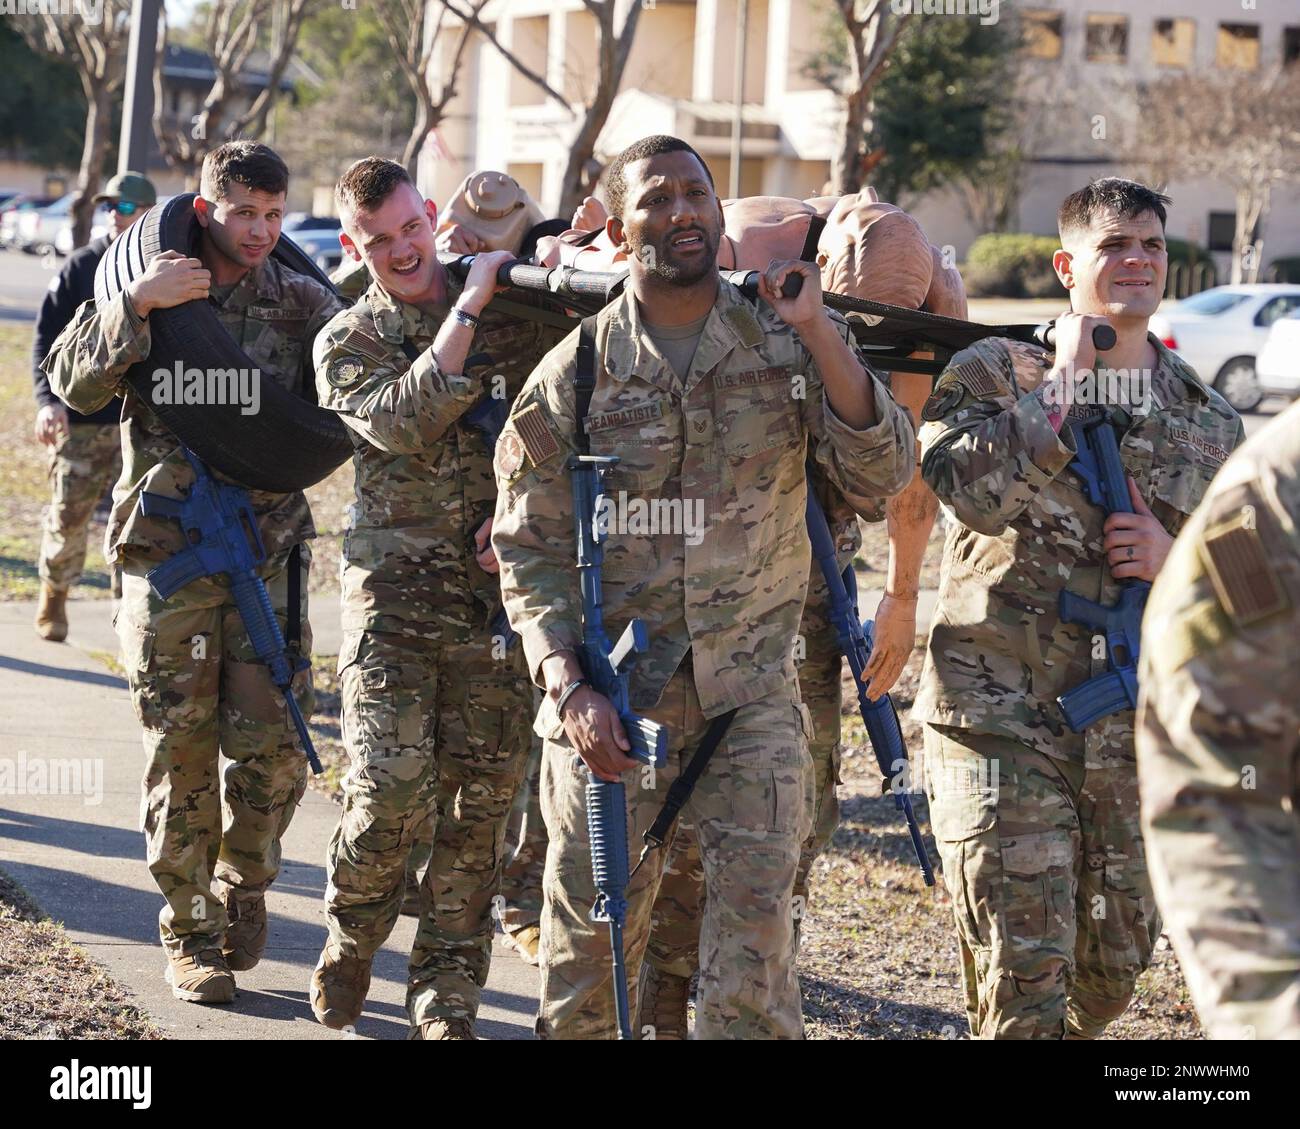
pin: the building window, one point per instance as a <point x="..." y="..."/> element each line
<point x="1222" y="227"/>
<point x="1106" y="39"/>
<point x="1042" y="30"/>
<point x="1173" y="43"/>
<point x="1238" y="46"/>
<point x="1290" y="45"/>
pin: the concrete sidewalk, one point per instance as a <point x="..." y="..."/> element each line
<point x="81" y="857"/>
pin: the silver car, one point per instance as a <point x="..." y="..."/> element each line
<point x="1221" y="331"/>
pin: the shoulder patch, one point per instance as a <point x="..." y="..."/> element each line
<point x="745" y="323"/>
<point x="344" y="372"/>
<point x="976" y="378"/>
<point x="1243" y="576"/>
<point x="942" y="401"/>
<point x="358" y="342"/>
<point x="538" y="439"/>
<point x="510" y="454"/>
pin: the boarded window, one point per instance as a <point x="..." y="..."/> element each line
<point x="1238" y="46"/>
<point x="1106" y="39"/>
<point x="1173" y="43"/>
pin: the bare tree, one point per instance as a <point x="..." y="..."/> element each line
<point x="414" y="45"/>
<point x="98" y="51"/>
<point x="1236" y="126"/>
<point x="612" y="50"/>
<point x="852" y="69"/>
<point x="231" y="34"/>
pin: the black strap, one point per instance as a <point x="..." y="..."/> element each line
<point x="680" y="790"/>
<point x="815" y="228"/>
<point x="584" y="382"/>
<point x="555" y="320"/>
<point x="293" y="636"/>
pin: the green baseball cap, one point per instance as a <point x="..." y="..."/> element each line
<point x="130" y="186"/>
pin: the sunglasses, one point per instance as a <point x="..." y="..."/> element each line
<point x="125" y="207"/>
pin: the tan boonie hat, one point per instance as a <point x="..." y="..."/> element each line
<point x="494" y="207"/>
<point x="130" y="186"/>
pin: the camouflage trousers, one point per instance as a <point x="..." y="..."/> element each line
<point x="1046" y="868"/>
<point x="675" y="921"/>
<point x="520" y="901"/>
<point x="752" y="808"/>
<point x="435" y="734"/>
<point x="82" y="466"/>
<point x="198" y="689"/>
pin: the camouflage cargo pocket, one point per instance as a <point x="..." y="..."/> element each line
<point x="767" y="773"/>
<point x="498" y="716"/>
<point x="137" y="648"/>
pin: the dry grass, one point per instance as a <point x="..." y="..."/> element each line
<point x="50" y="988"/>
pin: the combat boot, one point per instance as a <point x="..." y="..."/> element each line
<point x="52" y="613"/>
<point x="246" y="927"/>
<point x="338" y="989"/>
<point x="200" y="978"/>
<point x="452" y="1029"/>
<point x="525" y="942"/>
<point x="661" y="1003"/>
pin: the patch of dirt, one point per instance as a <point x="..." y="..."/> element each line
<point x="50" y="988"/>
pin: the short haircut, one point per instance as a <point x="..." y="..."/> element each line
<point x="1127" y="198"/>
<point x="653" y="146"/>
<point x="368" y="183"/>
<point x="250" y="163"/>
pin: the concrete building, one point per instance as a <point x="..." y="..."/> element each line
<point x="1083" y="59"/>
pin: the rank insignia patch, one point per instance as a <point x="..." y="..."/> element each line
<point x="345" y="372"/>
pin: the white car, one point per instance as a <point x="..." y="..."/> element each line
<point x="99" y="225"/>
<point x="1278" y="363"/>
<point x="1221" y="331"/>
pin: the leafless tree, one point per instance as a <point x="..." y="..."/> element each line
<point x="98" y="51"/>
<point x="852" y="69"/>
<point x="1239" y="127"/>
<point x="231" y="34"/>
<point x="613" y="46"/>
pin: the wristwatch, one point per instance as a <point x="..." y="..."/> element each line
<point x="464" y="317"/>
<point x="567" y="693"/>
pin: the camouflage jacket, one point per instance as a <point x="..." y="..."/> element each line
<point x="272" y="313"/>
<point x="998" y="653"/>
<point x="1219" y="742"/>
<point x="424" y="480"/>
<point x="726" y="449"/>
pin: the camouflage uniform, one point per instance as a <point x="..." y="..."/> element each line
<point x="87" y="459"/>
<point x="675" y="921"/>
<point x="193" y="678"/>
<point x="1217" y="744"/>
<point x="722" y="615"/>
<point x="521" y="878"/>
<point x="1037" y="825"/>
<point x="436" y="711"/>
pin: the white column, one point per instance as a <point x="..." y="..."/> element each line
<point x="706" y="38"/>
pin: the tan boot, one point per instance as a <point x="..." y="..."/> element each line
<point x="246" y="927"/>
<point x="455" y="1029"/>
<point x="525" y="942"/>
<point x="661" y="1003"/>
<point x="200" y="978"/>
<point x="52" y="613"/>
<point x="338" y="989"/>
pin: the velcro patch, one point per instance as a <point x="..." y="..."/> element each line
<point x="942" y="401"/>
<point x="642" y="413"/>
<point x="277" y="313"/>
<point x="975" y="378"/>
<point x="751" y="377"/>
<point x="357" y="342"/>
<point x="538" y="438"/>
<point x="743" y="321"/>
<point x="344" y="372"/>
<point x="1243" y="576"/>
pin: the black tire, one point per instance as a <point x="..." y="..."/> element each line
<point x="1238" y="383"/>
<point x="290" y="443"/>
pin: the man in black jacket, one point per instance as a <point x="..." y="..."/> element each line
<point x="85" y="451"/>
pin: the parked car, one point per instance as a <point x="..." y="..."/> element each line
<point x="38" y="227"/>
<point x="12" y="210"/>
<point x="99" y="225"/>
<point x="1221" y="331"/>
<point x="1278" y="363"/>
<point x="319" y="240"/>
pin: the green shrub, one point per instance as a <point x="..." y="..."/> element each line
<point x="1011" y="265"/>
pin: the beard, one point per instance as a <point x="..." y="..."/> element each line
<point x="660" y="260"/>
